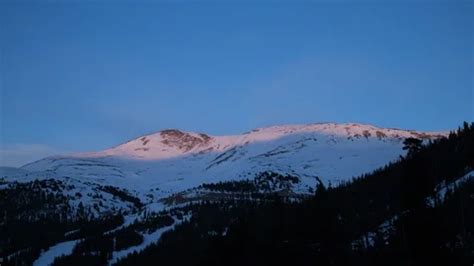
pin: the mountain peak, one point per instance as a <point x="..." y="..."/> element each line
<point x="182" y="140"/>
<point x="170" y="143"/>
<point x="176" y="160"/>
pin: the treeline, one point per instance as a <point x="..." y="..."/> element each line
<point x="36" y="215"/>
<point x="123" y="195"/>
<point x="97" y="249"/>
<point x="263" y="182"/>
<point x="240" y="186"/>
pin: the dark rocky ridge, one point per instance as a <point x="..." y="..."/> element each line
<point x="183" y="141"/>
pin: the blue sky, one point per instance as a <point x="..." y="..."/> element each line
<point x="81" y="76"/>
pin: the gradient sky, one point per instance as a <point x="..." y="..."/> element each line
<point x="81" y="76"/>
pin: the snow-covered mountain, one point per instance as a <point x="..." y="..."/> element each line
<point x="170" y="161"/>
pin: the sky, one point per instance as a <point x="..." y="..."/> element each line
<point x="88" y="75"/>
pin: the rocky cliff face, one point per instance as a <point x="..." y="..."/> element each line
<point x="182" y="141"/>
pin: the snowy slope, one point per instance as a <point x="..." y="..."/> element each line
<point x="170" y="161"/>
<point x="60" y="249"/>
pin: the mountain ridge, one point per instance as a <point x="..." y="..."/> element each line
<point x="187" y="141"/>
<point x="171" y="161"/>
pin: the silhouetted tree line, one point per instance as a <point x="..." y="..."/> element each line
<point x="36" y="215"/>
<point x="123" y="195"/>
<point x="97" y="249"/>
<point x="263" y="182"/>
